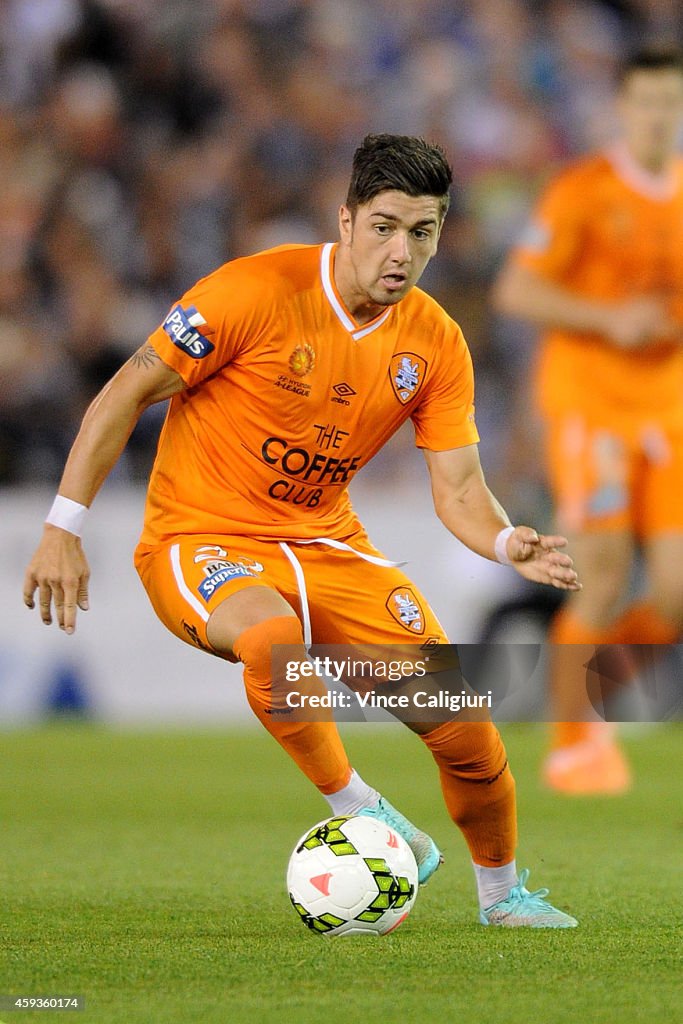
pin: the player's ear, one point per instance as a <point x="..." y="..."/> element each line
<point x="345" y="224"/>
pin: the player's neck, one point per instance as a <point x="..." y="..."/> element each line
<point x="656" y="163"/>
<point x="356" y="301"/>
<point x="651" y="175"/>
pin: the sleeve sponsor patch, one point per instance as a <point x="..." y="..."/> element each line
<point x="182" y="325"/>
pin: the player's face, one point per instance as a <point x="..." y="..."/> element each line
<point x="385" y="247"/>
<point x="651" y="107"/>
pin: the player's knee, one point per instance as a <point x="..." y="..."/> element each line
<point x="260" y="645"/>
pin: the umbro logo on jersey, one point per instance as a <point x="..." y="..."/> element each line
<point x="407" y="373"/>
<point x="181" y="326"/>
<point x="342" y="392"/>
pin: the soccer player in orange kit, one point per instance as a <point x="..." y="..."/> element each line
<point x="287" y="371"/>
<point x="600" y="269"/>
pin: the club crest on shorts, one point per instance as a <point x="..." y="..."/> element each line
<point x="302" y="360"/>
<point x="405" y="608"/>
<point x="406" y="373"/>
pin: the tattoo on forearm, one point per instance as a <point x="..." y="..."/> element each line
<point x="145" y="357"/>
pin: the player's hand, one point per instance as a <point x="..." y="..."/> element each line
<point x="639" y="321"/>
<point x="537" y="557"/>
<point x="60" y="573"/>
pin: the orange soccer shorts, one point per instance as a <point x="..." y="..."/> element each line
<point x="609" y="473"/>
<point x="343" y="593"/>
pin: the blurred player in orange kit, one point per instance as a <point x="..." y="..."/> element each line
<point x="287" y="371"/>
<point x="600" y="269"/>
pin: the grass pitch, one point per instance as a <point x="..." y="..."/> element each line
<point x="145" y="872"/>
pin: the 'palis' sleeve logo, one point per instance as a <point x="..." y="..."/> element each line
<point x="407" y="373"/>
<point x="302" y="360"/>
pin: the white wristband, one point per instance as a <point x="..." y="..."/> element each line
<point x="501" y="545"/>
<point x="67" y="515"/>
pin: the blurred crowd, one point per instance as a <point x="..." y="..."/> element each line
<point x="144" y="142"/>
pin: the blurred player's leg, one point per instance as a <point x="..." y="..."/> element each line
<point x="585" y="757"/>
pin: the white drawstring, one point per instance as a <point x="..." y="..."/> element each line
<point x="301" y="579"/>
<point x="303" y="596"/>
<point x="341" y="546"/>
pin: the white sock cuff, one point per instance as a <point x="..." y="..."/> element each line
<point x="493" y="884"/>
<point x="353" y="797"/>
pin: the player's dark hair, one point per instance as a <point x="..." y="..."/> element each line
<point x="652" y="58"/>
<point x="402" y="163"/>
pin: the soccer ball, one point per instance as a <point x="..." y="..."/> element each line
<point x="352" y="876"/>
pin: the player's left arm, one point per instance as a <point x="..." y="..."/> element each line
<point x="468" y="509"/>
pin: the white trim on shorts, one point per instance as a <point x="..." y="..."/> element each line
<point x="182" y="585"/>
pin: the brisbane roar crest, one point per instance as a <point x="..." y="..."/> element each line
<point x="407" y="373"/>
<point x="404" y="606"/>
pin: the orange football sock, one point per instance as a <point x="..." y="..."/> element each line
<point x="478" y="788"/>
<point x="641" y="623"/>
<point x="315" y="746"/>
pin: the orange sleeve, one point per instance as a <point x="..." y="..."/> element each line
<point x="553" y="238"/>
<point x="444" y="417"/>
<point x="221" y="316"/>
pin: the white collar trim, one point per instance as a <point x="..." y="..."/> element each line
<point x="659" y="187"/>
<point x="354" y="330"/>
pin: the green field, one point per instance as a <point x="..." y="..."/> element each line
<point x="145" y="872"/>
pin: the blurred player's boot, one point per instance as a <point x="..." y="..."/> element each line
<point x="427" y="853"/>
<point x="524" y="909"/>
<point x="593" y="767"/>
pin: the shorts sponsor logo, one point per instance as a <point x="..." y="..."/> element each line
<point x="229" y="571"/>
<point x="405" y="608"/>
<point x="407" y="373"/>
<point x="181" y="326"/>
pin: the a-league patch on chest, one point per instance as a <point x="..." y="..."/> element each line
<point x="405" y="608"/>
<point x="407" y="373"/>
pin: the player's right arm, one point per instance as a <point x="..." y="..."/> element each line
<point x="58" y="569"/>
<point x="526" y="294"/>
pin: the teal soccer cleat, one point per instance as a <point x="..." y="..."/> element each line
<point x="524" y="909"/>
<point x="427" y="853"/>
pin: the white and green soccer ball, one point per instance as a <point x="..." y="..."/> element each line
<point x="352" y="876"/>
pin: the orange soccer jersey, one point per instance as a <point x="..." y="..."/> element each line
<point x="288" y="397"/>
<point x="608" y="232"/>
